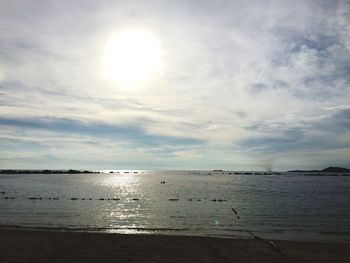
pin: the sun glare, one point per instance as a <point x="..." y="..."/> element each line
<point x="133" y="56"/>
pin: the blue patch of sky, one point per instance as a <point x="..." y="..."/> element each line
<point x="121" y="131"/>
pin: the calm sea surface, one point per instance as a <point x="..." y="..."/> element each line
<point x="286" y="206"/>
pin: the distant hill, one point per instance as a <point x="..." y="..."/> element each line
<point x="326" y="170"/>
<point x="336" y="170"/>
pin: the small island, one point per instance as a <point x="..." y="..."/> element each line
<point x="334" y="171"/>
<point x="70" y="171"/>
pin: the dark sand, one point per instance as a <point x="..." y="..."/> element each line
<point x="17" y="245"/>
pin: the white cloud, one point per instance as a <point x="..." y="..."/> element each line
<point x="228" y="66"/>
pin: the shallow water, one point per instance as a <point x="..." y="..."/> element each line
<point x="286" y="206"/>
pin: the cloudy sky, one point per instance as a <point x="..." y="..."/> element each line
<point x="241" y="85"/>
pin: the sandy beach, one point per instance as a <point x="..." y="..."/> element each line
<point x="22" y="245"/>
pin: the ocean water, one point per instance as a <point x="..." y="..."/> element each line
<point x="286" y="206"/>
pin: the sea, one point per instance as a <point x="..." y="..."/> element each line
<point x="285" y="206"/>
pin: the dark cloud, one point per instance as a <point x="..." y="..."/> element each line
<point x="336" y="123"/>
<point x="324" y="133"/>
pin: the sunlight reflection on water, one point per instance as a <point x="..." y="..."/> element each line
<point x="186" y="203"/>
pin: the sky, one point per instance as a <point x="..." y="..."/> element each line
<point x="238" y="85"/>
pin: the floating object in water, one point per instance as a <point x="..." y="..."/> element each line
<point x="222" y="200"/>
<point x="214" y="200"/>
<point x="199" y="199"/>
<point x="173" y="199"/>
<point x="162" y="182"/>
<point x="234" y="210"/>
<point x="3" y="192"/>
<point x="74" y="198"/>
<point x="90" y="198"/>
<point x="190" y="199"/>
<point x="135" y="199"/>
<point x="83" y="199"/>
<point x="115" y="199"/>
<point x="101" y="199"/>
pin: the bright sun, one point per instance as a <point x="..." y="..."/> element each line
<point x="133" y="56"/>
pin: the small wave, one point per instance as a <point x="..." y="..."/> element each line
<point x="335" y="233"/>
<point x="95" y="229"/>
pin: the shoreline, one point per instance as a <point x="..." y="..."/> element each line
<point x="311" y="237"/>
<point x="33" y="245"/>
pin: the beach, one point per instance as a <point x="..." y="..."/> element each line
<point x="28" y="245"/>
<point x="193" y="217"/>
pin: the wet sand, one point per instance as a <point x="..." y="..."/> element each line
<point x="21" y="245"/>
